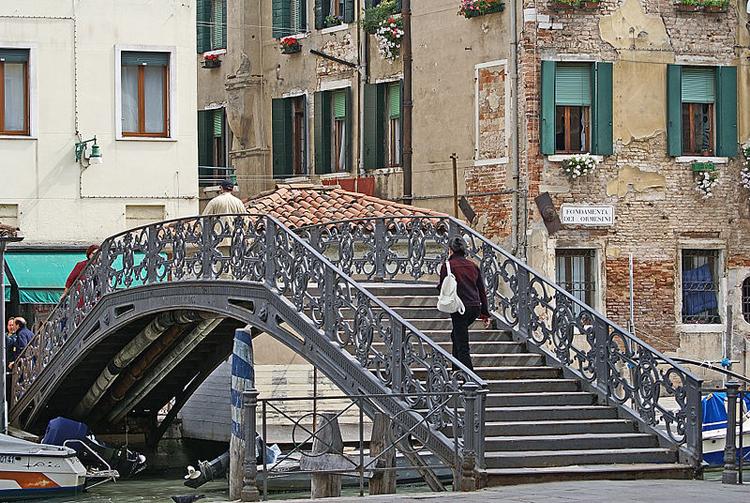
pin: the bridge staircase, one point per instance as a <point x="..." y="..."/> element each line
<point x="558" y="392"/>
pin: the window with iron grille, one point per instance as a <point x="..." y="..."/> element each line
<point x="575" y="271"/>
<point x="746" y="299"/>
<point x="700" y="286"/>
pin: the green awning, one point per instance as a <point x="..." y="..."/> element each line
<point x="40" y="276"/>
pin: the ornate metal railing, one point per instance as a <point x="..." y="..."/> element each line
<point x="255" y="248"/>
<point x="622" y="369"/>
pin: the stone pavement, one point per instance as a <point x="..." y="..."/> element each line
<point x="597" y="491"/>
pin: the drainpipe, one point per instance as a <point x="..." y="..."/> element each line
<point x="406" y="57"/>
<point x="515" y="153"/>
<point x="363" y="77"/>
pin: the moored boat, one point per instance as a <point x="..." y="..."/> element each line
<point x="715" y="429"/>
<point x="31" y="471"/>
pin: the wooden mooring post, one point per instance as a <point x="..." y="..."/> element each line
<point x="383" y="479"/>
<point x="242" y="438"/>
<point x="327" y="454"/>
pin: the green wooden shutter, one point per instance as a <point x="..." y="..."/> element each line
<point x="130" y="58"/>
<point x="205" y="138"/>
<point x="374" y="127"/>
<point x="573" y="84"/>
<point x="348" y="11"/>
<point x="322" y="132"/>
<point x="394" y="100"/>
<point x="698" y="84"/>
<point x="547" y="123"/>
<point x="281" y="124"/>
<point x="220" y="40"/>
<point x="726" y="111"/>
<point x="602" y="130"/>
<point x="14" y="55"/>
<point x="348" y="133"/>
<point x="218" y="125"/>
<point x="674" y="110"/>
<point x="281" y="18"/>
<point x="321" y="9"/>
<point x="203" y="24"/>
<point x="339" y="104"/>
<point x="398" y="5"/>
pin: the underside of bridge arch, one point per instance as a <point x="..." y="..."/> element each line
<point x="139" y="349"/>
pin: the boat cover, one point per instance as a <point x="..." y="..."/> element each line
<point x="61" y="429"/>
<point x="715" y="410"/>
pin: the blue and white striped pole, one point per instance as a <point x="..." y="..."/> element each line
<point x="243" y="379"/>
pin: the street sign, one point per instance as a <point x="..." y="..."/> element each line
<point x="571" y="214"/>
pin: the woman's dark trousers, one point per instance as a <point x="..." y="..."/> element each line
<point x="460" y="334"/>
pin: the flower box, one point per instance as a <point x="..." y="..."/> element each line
<point x="211" y="61"/>
<point x="700" y="167"/>
<point x="290" y="45"/>
<point x="475" y="8"/>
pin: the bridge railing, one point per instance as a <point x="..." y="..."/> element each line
<point x="255" y="248"/>
<point x="650" y="387"/>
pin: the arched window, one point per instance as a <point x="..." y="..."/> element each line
<point x="746" y="299"/>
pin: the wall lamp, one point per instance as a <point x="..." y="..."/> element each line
<point x="96" y="152"/>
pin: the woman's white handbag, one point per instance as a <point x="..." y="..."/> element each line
<point x="449" y="301"/>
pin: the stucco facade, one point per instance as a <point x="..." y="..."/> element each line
<point x="74" y="47"/>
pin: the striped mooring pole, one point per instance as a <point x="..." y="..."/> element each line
<point x="243" y="379"/>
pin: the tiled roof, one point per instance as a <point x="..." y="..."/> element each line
<point x="298" y="205"/>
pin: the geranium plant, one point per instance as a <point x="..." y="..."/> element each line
<point x="375" y="16"/>
<point x="389" y="35"/>
<point x="290" y="45"/>
<point x="474" y="8"/>
<point x="745" y="173"/>
<point x="211" y="61"/>
<point x="578" y="165"/>
<point x="705" y="183"/>
<point x="333" y="21"/>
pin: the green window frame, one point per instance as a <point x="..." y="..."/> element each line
<point x="212" y="146"/>
<point x="702" y="110"/>
<point x="575" y="93"/>
<point x="289" y="17"/>
<point x="333" y="131"/>
<point x="211" y="25"/>
<point x="289" y="131"/>
<point x="326" y="8"/>
<point x="383" y="135"/>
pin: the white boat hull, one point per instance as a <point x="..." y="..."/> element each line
<point x="714" y="442"/>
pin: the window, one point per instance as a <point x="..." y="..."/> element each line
<point x="212" y="147"/>
<point x="576" y="108"/>
<point x="326" y="9"/>
<point x="575" y="271"/>
<point x="145" y="94"/>
<point x="212" y="25"/>
<point x="702" y="110"/>
<point x="746" y="299"/>
<point x="333" y="131"/>
<point x="289" y="123"/>
<point x="14" y="92"/>
<point x="700" y="286"/>
<point x="289" y="17"/>
<point x="382" y="128"/>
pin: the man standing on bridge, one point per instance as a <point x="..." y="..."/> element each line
<point x="226" y="202"/>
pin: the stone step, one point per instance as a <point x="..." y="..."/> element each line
<point x="559" y="427"/>
<point x="539" y="399"/>
<point x="411" y="301"/>
<point x="543" y="413"/>
<point x="579" y="441"/>
<point x="517" y="372"/>
<point x="533" y="459"/>
<point x="476" y="335"/>
<point x="512" y="476"/>
<point x="532" y="385"/>
<point x="409" y="313"/>
<point x="476" y="347"/>
<point x="402" y="289"/>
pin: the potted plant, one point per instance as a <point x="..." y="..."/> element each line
<point x="589" y="4"/>
<point x="702" y="166"/>
<point x="290" y="45"/>
<point x="389" y="35"/>
<point x="688" y="5"/>
<point x="705" y="183"/>
<point x="564" y="5"/>
<point x="715" y="6"/>
<point x="376" y="16"/>
<point x="745" y="173"/>
<point x="577" y="166"/>
<point x="475" y="8"/>
<point x="211" y="61"/>
<point x="333" y="21"/>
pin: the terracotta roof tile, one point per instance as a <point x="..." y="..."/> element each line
<point x="299" y="205"/>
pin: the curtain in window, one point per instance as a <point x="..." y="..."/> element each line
<point x="154" y="100"/>
<point x="698" y="293"/>
<point x="341" y="161"/>
<point x="15" y="97"/>
<point x="130" y="99"/>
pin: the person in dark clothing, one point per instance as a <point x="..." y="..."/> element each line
<point x="79" y="267"/>
<point x="470" y="289"/>
<point x="19" y="340"/>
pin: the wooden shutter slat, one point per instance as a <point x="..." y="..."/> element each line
<point x="320" y="14"/>
<point x="281" y="125"/>
<point x="348" y="11"/>
<point x="547" y="124"/>
<point x="726" y="111"/>
<point x="203" y="24"/>
<point x="674" y="110"/>
<point x="698" y="84"/>
<point x="322" y="133"/>
<point x="573" y="84"/>
<point x="602" y="130"/>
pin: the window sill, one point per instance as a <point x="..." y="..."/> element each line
<point x="385" y="171"/>
<point x="145" y="138"/>
<point x="699" y="158"/>
<point x="334" y="29"/>
<point x="16" y="137"/>
<point x="214" y="52"/>
<point x="330" y="176"/>
<point x="298" y="36"/>
<point x="490" y="162"/>
<point x="565" y="157"/>
<point x="698" y="328"/>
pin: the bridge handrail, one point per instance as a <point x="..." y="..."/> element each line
<point x="619" y="366"/>
<point x="260" y="248"/>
